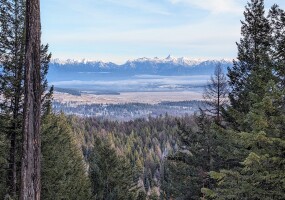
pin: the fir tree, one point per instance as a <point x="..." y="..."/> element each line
<point x="202" y="149"/>
<point x="261" y="173"/>
<point x="12" y="49"/>
<point x="253" y="68"/>
<point x="111" y="175"/>
<point x="11" y="81"/>
<point x="64" y="175"/>
<point x="277" y="22"/>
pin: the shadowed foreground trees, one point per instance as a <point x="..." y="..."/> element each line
<point x="64" y="174"/>
<point x="248" y="150"/>
<point x="111" y="175"/>
<point x="12" y="44"/>
<point x="25" y="60"/>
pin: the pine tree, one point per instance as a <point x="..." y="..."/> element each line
<point x="277" y="22"/>
<point x="202" y="149"/>
<point x="253" y="68"/>
<point x="111" y="175"/>
<point x="64" y="175"/>
<point x="261" y="174"/>
<point x="12" y="49"/>
<point x="262" y="121"/>
<point x="3" y="158"/>
<point x="11" y="81"/>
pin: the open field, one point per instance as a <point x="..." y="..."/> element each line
<point x="128" y="97"/>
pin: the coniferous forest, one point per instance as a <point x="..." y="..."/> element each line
<point x="233" y="148"/>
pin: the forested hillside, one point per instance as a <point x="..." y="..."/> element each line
<point x="242" y="156"/>
<point x="233" y="148"/>
<point x="140" y="145"/>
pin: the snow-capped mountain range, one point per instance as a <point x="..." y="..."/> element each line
<point x="169" y="60"/>
<point x="85" y="70"/>
<point x="142" y="74"/>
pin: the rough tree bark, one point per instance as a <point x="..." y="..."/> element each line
<point x="30" y="169"/>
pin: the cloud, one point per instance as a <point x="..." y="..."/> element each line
<point x="215" y="6"/>
<point x="147" y="6"/>
<point x="194" y="34"/>
<point x="113" y="30"/>
<point x="210" y="37"/>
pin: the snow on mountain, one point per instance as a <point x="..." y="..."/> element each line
<point x="169" y="60"/>
<point x="170" y="66"/>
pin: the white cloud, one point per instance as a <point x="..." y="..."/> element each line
<point x="209" y="37"/>
<point x="147" y="6"/>
<point x="206" y="32"/>
<point x="216" y="6"/>
<point x="117" y="30"/>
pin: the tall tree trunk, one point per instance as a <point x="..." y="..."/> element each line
<point x="30" y="169"/>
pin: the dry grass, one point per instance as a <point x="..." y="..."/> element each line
<point x="128" y="97"/>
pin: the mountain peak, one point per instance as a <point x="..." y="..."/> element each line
<point x="169" y="57"/>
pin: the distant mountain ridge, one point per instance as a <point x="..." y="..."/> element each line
<point x="169" y="59"/>
<point x="142" y="74"/>
<point x="170" y="66"/>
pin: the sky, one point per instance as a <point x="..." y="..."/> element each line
<point x="121" y="30"/>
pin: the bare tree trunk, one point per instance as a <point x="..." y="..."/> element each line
<point x="30" y="169"/>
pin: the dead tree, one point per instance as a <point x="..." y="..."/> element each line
<point x="30" y="168"/>
<point x="215" y="94"/>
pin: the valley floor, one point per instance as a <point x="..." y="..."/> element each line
<point x="128" y="97"/>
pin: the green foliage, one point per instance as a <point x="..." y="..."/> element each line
<point x="251" y="70"/>
<point x="11" y="85"/>
<point x="141" y="195"/>
<point x="187" y="158"/>
<point x="143" y="144"/>
<point x="3" y="158"/>
<point x="64" y="175"/>
<point x="244" y="157"/>
<point x="257" y="111"/>
<point x="202" y="149"/>
<point x="12" y="53"/>
<point x="180" y="180"/>
<point x="111" y="175"/>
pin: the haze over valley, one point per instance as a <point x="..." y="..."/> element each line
<point x="142" y="85"/>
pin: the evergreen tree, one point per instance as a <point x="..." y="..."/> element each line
<point x="3" y="159"/>
<point x="12" y="50"/>
<point x="277" y="22"/>
<point x="64" y="175"/>
<point x="141" y="195"/>
<point x="253" y="68"/>
<point x="203" y="148"/>
<point x="261" y="173"/>
<point x="111" y="175"/>
<point x="11" y="81"/>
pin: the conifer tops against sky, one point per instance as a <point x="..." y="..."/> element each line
<point x="113" y="30"/>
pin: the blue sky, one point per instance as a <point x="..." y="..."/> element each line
<point x="119" y="30"/>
